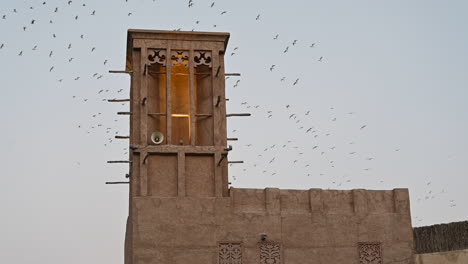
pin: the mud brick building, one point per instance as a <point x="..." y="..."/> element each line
<point x="181" y="208"/>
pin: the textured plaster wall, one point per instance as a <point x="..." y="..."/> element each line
<point x="313" y="226"/>
<point x="451" y="257"/>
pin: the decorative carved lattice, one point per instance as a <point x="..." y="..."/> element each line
<point x="370" y="253"/>
<point x="179" y="57"/>
<point x="157" y="56"/>
<point x="230" y="253"/>
<point x="202" y="58"/>
<point x="270" y="253"/>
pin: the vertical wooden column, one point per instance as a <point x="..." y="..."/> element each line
<point x="215" y="89"/>
<point x="143" y="94"/>
<point x="181" y="174"/>
<point x="143" y="121"/>
<point x="135" y="137"/>
<point x="219" y="113"/>
<point x="193" y="118"/>
<point x="221" y="82"/>
<point x="168" y="94"/>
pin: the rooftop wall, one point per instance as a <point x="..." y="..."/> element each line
<point x="308" y="226"/>
<point x="357" y="201"/>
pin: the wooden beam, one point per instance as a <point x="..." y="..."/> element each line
<point x="238" y="114"/>
<point x="118" y="100"/>
<point x="121" y="72"/>
<point x="117" y="182"/>
<point x="119" y="161"/>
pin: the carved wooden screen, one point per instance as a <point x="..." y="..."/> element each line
<point x="370" y="253"/>
<point x="270" y="253"/>
<point x="230" y="253"/>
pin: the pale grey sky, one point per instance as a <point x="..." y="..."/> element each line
<point x="396" y="67"/>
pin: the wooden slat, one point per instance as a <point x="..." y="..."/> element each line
<point x="192" y="98"/>
<point x="168" y="94"/>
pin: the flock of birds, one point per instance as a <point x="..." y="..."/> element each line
<point x="266" y="155"/>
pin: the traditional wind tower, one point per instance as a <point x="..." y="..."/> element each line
<point x="178" y="114"/>
<point x="181" y="210"/>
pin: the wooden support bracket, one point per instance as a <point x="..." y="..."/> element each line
<point x="124" y="113"/>
<point x="232" y="74"/>
<point x="232" y="139"/>
<point x="117" y="182"/>
<point x="119" y="161"/>
<point x="235" y="161"/>
<point x="145" y="158"/>
<point x="221" y="159"/>
<point x="217" y="71"/>
<point x="122" y="137"/>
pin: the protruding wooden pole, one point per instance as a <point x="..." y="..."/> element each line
<point x="239" y="114"/>
<point x="118" y="100"/>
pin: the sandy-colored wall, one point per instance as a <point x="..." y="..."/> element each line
<point x="313" y="226"/>
<point x="450" y="257"/>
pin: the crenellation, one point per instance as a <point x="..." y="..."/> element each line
<point x="319" y="201"/>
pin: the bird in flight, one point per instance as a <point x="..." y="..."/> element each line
<point x="294" y="42"/>
<point x="129" y="14"/>
<point x="93" y="13"/>
<point x="286" y="50"/>
<point x="21" y="53"/>
<point x="224" y="12"/>
<point x="276" y="37"/>
<point x="320" y="59"/>
<point x="272" y="67"/>
<point x="212" y="4"/>
<point x="258" y="17"/>
<point x="51" y="68"/>
<point x="364" y="126"/>
<point x="312" y="45"/>
<point x="296" y="81"/>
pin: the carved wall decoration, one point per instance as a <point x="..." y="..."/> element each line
<point x="230" y="253"/>
<point x="370" y="253"/>
<point x="202" y="58"/>
<point x="179" y="57"/>
<point x="157" y="56"/>
<point x="270" y="253"/>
